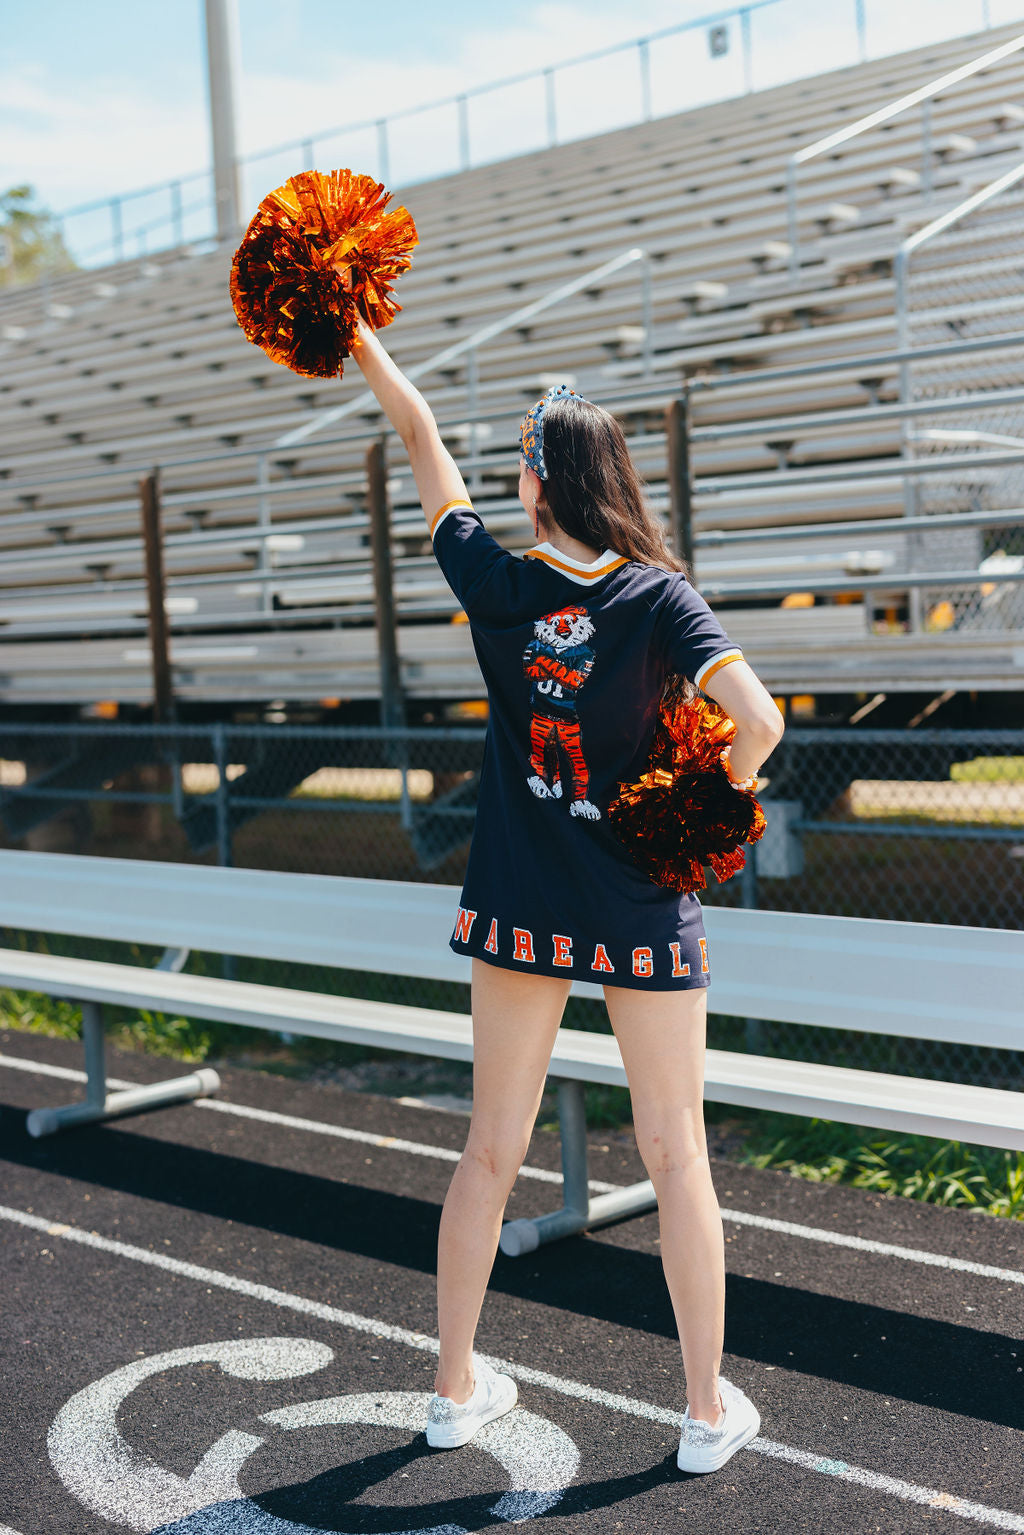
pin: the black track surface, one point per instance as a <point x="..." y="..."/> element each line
<point x="864" y="1360"/>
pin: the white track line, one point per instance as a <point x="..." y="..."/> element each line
<point x="5" y="1529"/>
<point x="445" y="1154"/>
<point x="981" y="1513"/>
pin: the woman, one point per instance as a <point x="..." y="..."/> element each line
<point x="574" y="641"/>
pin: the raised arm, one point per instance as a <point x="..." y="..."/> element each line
<point x="436" y="473"/>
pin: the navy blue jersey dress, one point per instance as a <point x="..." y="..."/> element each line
<point x="574" y="657"/>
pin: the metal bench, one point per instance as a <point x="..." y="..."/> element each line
<point x="917" y="980"/>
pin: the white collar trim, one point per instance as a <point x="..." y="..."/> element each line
<point x="585" y="569"/>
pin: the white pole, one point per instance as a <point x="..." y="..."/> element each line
<point x="222" y="56"/>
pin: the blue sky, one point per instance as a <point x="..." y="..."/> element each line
<point x="102" y="97"/>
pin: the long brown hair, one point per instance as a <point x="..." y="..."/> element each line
<point x="595" y="494"/>
<point x="593" y="490"/>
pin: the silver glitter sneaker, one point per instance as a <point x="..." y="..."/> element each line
<point x="703" y="1448"/>
<point x="450" y="1424"/>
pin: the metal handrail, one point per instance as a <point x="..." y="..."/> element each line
<point x="923" y="95"/>
<point x="743" y="9"/>
<point x="921" y="237"/>
<point x="472" y="343"/>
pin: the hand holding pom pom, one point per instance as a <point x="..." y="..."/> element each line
<point x="683" y="811"/>
<point x="319" y="254"/>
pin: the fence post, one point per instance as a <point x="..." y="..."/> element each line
<point x="644" y="58"/>
<point x="462" y="108"/>
<point x="753" y="1027"/>
<point x="220" y="752"/>
<point x="392" y="708"/>
<point x="551" y="106"/>
<point x="677" y="435"/>
<point x="163" y="697"/>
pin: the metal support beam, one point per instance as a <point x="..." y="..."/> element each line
<point x="392" y="706"/>
<point x="222" y="52"/>
<point x="163" y="697"/>
<point x="680" y="482"/>
<point x="98" y="1104"/>
<point x="579" y="1212"/>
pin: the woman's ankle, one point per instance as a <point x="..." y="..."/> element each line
<point x="712" y="1415"/>
<point x="457" y="1384"/>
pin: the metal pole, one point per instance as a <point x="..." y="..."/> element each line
<point x="264" y="515"/>
<point x="792" y="230"/>
<point x="382" y="150"/>
<point x="177" y="214"/>
<point x="222" y="51"/>
<point x="95" y="1064"/>
<point x="862" y="43"/>
<point x="392" y="708"/>
<point x="748" y="72"/>
<point x="462" y="104"/>
<point x="307" y="154"/>
<point x="753" y="1028"/>
<point x="647" y="302"/>
<point x="677" y="436"/>
<point x="220" y="753"/>
<point x="552" y="107"/>
<point x="476" y="478"/>
<point x="224" y="858"/>
<point x="117" y="227"/>
<point x="163" y="697"/>
<point x="902" y="299"/>
<point x="926" y="150"/>
<point x="644" y="56"/>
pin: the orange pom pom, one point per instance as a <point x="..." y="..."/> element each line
<point x="320" y="251"/>
<point x="682" y="812"/>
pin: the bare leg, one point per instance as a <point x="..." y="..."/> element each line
<point x="662" y="1037"/>
<point x="515" y="1020"/>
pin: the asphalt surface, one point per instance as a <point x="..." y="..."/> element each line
<point x="172" y="1279"/>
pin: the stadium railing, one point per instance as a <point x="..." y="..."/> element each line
<point x="918" y="980"/>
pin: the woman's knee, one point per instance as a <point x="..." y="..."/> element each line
<point x="498" y="1153"/>
<point x="671" y="1143"/>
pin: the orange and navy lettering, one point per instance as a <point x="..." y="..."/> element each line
<point x="642" y="957"/>
<point x="524" y="945"/>
<point x="678" y="967"/>
<point x="601" y="960"/>
<point x="643" y="961"/>
<point x="464" y="924"/>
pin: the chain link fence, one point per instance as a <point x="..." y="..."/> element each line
<point x="964" y="283"/>
<point x="908" y="825"/>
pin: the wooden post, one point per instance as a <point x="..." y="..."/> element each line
<point x="392" y="705"/>
<point x="163" y="698"/>
<point x="677" y="435"/>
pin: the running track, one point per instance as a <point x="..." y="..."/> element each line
<point x="220" y="1320"/>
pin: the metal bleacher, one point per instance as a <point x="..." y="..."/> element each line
<point x="270" y="590"/>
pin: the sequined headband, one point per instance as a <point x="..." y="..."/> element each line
<point x="531" y="433"/>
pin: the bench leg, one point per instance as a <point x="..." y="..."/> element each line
<point x="579" y="1212"/>
<point x="99" y="1104"/>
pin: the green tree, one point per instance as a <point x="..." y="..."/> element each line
<point x="31" y="243"/>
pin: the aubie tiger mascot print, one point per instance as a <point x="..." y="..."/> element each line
<point x="558" y="662"/>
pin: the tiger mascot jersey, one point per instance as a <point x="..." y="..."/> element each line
<point x="558" y="662"/>
<point x="574" y="656"/>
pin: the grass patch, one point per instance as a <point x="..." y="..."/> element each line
<point x="919" y="1167"/>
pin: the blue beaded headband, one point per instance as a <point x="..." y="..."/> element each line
<point x="531" y="433"/>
